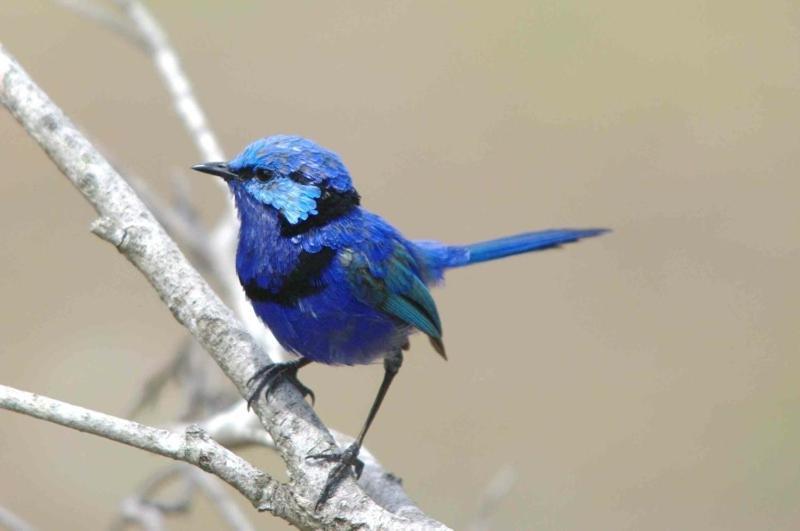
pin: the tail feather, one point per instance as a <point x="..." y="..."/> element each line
<point x="439" y="257"/>
<point x="523" y="243"/>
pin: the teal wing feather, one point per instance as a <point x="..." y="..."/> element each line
<point x="394" y="287"/>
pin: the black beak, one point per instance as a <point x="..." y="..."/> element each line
<point x="220" y="169"/>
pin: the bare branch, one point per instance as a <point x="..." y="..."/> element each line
<point x="155" y="383"/>
<point x="184" y="230"/>
<point x="496" y="491"/>
<point x="169" y="67"/>
<point x="12" y="522"/>
<point x="226" y="507"/>
<point x="127" y="223"/>
<point x="237" y="427"/>
<point x="144" y="509"/>
<point x="222" y="239"/>
<point x="194" y="446"/>
<point x="104" y="17"/>
<point x="134" y="510"/>
<point x="182" y="502"/>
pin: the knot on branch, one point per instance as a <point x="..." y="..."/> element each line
<point x="110" y="231"/>
<point x="50" y="122"/>
<point x="197" y="447"/>
<point x="195" y="433"/>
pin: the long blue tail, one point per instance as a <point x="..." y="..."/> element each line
<point x="524" y="243"/>
<point x="441" y="257"/>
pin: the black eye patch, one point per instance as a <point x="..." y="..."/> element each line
<point x="258" y="173"/>
<point x="331" y="205"/>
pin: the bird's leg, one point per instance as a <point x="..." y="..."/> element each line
<point x="272" y="374"/>
<point x="349" y="457"/>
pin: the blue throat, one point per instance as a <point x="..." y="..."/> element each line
<point x="262" y="252"/>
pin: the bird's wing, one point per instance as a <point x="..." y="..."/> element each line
<point x="392" y="285"/>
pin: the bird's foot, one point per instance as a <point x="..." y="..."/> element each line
<point x="344" y="460"/>
<point x="269" y="376"/>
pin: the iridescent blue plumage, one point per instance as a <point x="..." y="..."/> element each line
<point x="334" y="282"/>
<point x="367" y="291"/>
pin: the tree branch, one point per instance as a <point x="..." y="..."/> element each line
<point x="169" y="67"/>
<point x="236" y="427"/>
<point x="184" y="230"/>
<point x="12" y="522"/>
<point x="104" y="17"/>
<point x="226" y="507"/>
<point x="144" y="509"/>
<point x="223" y="237"/>
<point x="126" y="222"/>
<point x="138" y="508"/>
<point x="194" y="446"/>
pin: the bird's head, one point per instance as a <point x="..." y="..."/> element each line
<point x="300" y="179"/>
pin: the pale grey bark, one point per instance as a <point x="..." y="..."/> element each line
<point x="126" y="223"/>
<point x="236" y="427"/>
<point x="193" y="446"/>
<point x="12" y="522"/>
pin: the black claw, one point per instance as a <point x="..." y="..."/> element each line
<point x="269" y="376"/>
<point x="358" y="468"/>
<point x="305" y="391"/>
<point x="345" y="461"/>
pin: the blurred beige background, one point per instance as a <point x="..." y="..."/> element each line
<point x="648" y="379"/>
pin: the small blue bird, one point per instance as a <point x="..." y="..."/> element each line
<point x="335" y="283"/>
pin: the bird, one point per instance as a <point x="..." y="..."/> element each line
<point x="335" y="283"/>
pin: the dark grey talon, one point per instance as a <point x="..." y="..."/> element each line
<point x="346" y="460"/>
<point x="269" y="376"/>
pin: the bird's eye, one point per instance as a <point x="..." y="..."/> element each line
<point x="262" y="174"/>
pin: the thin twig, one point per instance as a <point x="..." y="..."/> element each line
<point x="105" y="18"/>
<point x="143" y="509"/>
<point x="196" y="376"/>
<point x="497" y="490"/>
<point x="12" y="522"/>
<point x="182" y="503"/>
<point x="155" y="383"/>
<point x="223" y="237"/>
<point x="216" y="494"/>
<point x="203" y="393"/>
<point x="169" y="67"/>
<point x="132" y="510"/>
